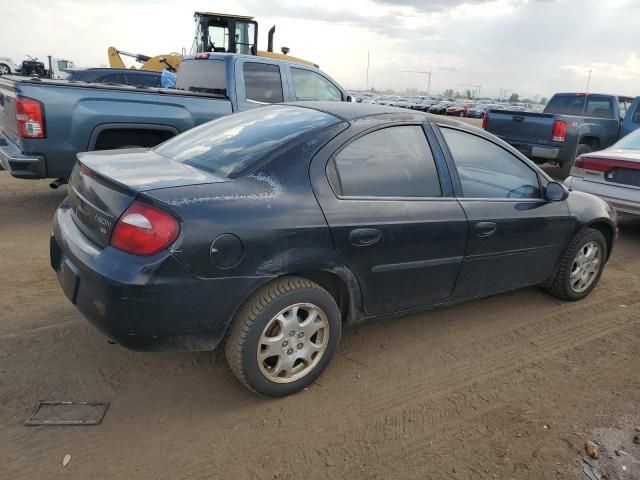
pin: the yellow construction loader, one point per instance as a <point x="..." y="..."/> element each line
<point x="220" y="32"/>
<point x="215" y="32"/>
<point x="158" y="63"/>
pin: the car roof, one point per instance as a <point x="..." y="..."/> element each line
<point x="349" y="111"/>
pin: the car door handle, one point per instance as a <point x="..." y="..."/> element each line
<point x="362" y="237"/>
<point x="485" y="229"/>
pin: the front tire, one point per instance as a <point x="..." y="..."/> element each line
<point x="581" y="266"/>
<point x="284" y="337"/>
<point x="4" y="69"/>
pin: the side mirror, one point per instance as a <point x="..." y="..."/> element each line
<point x="350" y="98"/>
<point x="555" y="192"/>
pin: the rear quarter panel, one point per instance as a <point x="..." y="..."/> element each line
<point x="272" y="210"/>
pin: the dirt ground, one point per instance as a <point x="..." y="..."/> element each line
<point x="507" y="387"/>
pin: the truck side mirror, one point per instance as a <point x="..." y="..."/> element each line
<point x="350" y="98"/>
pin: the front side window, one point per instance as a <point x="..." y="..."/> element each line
<point x="392" y="162"/>
<point x="487" y="170"/>
<point x="262" y="82"/>
<point x="310" y="85"/>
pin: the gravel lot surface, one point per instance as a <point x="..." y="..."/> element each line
<point x="506" y="387"/>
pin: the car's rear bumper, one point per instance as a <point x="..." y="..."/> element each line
<point x="143" y="303"/>
<point x="622" y="199"/>
<point x="18" y="164"/>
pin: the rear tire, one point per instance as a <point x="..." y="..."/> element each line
<point x="565" y="168"/>
<point x="581" y="266"/>
<point x="284" y="337"/>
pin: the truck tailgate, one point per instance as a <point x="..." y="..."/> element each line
<point x="525" y="127"/>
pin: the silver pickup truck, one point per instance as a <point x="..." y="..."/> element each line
<point x="45" y="123"/>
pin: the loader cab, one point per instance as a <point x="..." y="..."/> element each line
<point x="216" y="32"/>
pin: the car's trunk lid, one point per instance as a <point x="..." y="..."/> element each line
<point x="104" y="184"/>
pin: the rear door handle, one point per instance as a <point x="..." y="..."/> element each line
<point x="485" y="229"/>
<point x="363" y="237"/>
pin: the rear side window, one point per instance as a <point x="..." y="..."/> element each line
<point x="578" y="105"/>
<point x="488" y="171"/>
<point x="205" y="76"/>
<point x="310" y="85"/>
<point x="392" y="162"/>
<point x="230" y="145"/>
<point x="636" y="115"/>
<point x="262" y="82"/>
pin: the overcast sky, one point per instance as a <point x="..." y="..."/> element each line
<point x="532" y="47"/>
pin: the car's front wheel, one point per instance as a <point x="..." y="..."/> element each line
<point x="4" y="69"/>
<point x="581" y="266"/>
<point x="284" y="337"/>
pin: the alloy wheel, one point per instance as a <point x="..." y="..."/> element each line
<point x="585" y="267"/>
<point x="293" y="342"/>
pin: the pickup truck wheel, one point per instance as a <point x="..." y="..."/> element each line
<point x="284" y="337"/>
<point x="4" y="69"/>
<point x="565" y="168"/>
<point x="580" y="267"/>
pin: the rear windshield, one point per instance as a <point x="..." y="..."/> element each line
<point x="630" y="142"/>
<point x="230" y="145"/>
<point x="204" y="76"/>
<point x="587" y="105"/>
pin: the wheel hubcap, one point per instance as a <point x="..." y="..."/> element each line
<point x="293" y="342"/>
<point x="585" y="267"/>
<point x="3" y="70"/>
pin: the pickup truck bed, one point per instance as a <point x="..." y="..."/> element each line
<point x="101" y="114"/>
<point x="45" y="123"/>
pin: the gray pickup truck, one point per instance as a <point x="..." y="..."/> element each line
<point x="45" y="123"/>
<point x="570" y="125"/>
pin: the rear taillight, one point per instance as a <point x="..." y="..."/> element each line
<point x="29" y="118"/>
<point x="144" y="230"/>
<point x="604" y="164"/>
<point x="484" y="120"/>
<point x="202" y="56"/>
<point x="559" y="132"/>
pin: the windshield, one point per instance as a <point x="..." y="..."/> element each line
<point x="230" y="145"/>
<point x="630" y="142"/>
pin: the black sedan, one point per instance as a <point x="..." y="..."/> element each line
<point x="274" y="227"/>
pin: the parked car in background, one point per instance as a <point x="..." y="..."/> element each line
<point x="387" y="100"/>
<point x="480" y="109"/>
<point x="440" y="108"/>
<point x="271" y="228"/>
<point x="8" y="66"/>
<point x="612" y="174"/>
<point x="115" y="76"/>
<point x="402" y="103"/>
<point x="572" y="124"/>
<point x="459" y="109"/>
<point x="423" y="105"/>
<point x="45" y="123"/>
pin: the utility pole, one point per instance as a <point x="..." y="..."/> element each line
<point x="422" y="73"/>
<point x="367" y="70"/>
